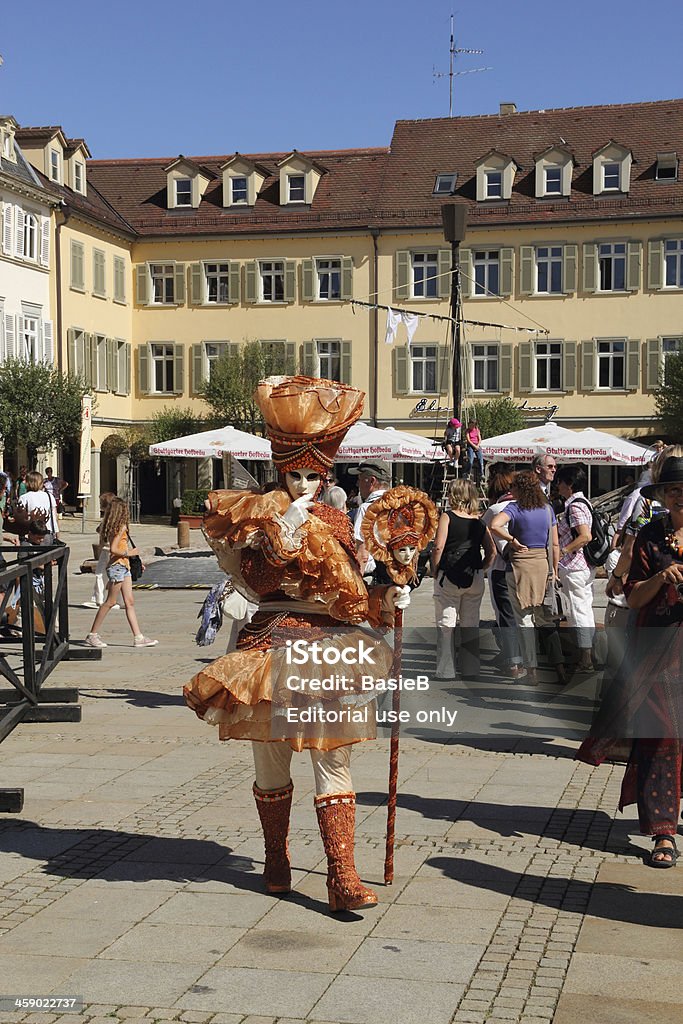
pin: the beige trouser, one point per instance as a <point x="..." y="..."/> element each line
<point x="331" y="768"/>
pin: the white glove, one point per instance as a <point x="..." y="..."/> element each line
<point x="400" y="598"/>
<point x="297" y="513"/>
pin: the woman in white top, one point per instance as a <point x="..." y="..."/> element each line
<point x="36" y="498"/>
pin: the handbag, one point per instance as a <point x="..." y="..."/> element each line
<point x="135" y="562"/>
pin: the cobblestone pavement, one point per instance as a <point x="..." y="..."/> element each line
<point x="132" y="877"/>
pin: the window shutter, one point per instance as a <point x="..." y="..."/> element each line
<point x="71" y="352"/>
<point x="80" y="354"/>
<point x="590" y="267"/>
<point x="3" y="340"/>
<point x="588" y="366"/>
<point x="178" y="369"/>
<point x="7" y="239"/>
<point x="307" y="280"/>
<point x="196" y="284"/>
<point x="119" y="280"/>
<point x="347" y="278"/>
<point x="444" y="271"/>
<point x="290" y="357"/>
<point x="400" y="368"/>
<point x="290" y="280"/>
<point x="98" y="273"/>
<point x="124" y="385"/>
<point x="507" y="268"/>
<point x="48" y="343"/>
<point x="10" y="337"/>
<point x="570" y="265"/>
<point x="345" y="362"/>
<point x="466" y="273"/>
<point x="179" y="286"/>
<point x="91" y="359"/>
<point x="525" y="356"/>
<point x="526" y="269"/>
<point x="442" y="369"/>
<point x="653" y="363"/>
<point x="234" y="281"/>
<point x="143" y="368"/>
<point x="569" y="366"/>
<point x="402" y="274"/>
<point x="19" y="240"/>
<point x="197" y="363"/>
<point x="142" y="287"/>
<point x="633" y="364"/>
<point x="655" y="264"/>
<point x="112" y="364"/>
<point x="45" y="241"/>
<point x="232" y="349"/>
<point x="19" y="344"/>
<point x="309" y="361"/>
<point x="466" y="371"/>
<point x="101" y="358"/>
<point x="505" y="367"/>
<point x="633" y="266"/>
<point x="250" y="280"/>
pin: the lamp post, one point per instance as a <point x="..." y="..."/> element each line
<point x="454" y="217"/>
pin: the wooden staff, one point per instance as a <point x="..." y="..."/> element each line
<point x="393" y="750"/>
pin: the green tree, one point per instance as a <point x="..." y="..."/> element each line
<point x="170" y="423"/>
<point x="497" y="416"/>
<point x="40" y="406"/>
<point x="233" y="380"/>
<point x="669" y="396"/>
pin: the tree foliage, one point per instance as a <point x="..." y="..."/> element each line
<point x="230" y="388"/>
<point x="497" y="416"/>
<point x="40" y="406"/>
<point x="170" y="423"/>
<point x="131" y="441"/>
<point x="669" y="396"/>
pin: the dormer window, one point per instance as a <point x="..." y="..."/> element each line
<point x="186" y="183"/>
<point x="183" y="192"/>
<point x="554" y="168"/>
<point x="55" y="166"/>
<point x="553" y="181"/>
<point x="79" y="177"/>
<point x="445" y="184"/>
<point x="611" y="177"/>
<point x="612" y="169"/>
<point x="494" y="184"/>
<point x="667" y="167"/>
<point x="8" y="151"/>
<point x="296" y="188"/>
<point x="495" y="176"/>
<point x="238" y="191"/>
<point x="299" y="179"/>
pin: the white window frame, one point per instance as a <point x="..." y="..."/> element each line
<point x="552" y="256"/>
<point x="493" y="188"/>
<point x="328" y="355"/>
<point x="31" y="232"/>
<point x="328" y="267"/>
<point x="611" y="355"/>
<point x="271" y="270"/>
<point x="554" y="169"/>
<point x="242" y="200"/>
<point x="422" y="357"/>
<point x="30" y="337"/>
<point x="485" y="260"/>
<point x="55" y="165"/>
<point x="162" y="273"/>
<point x="614" y="252"/>
<point x="487" y="362"/>
<point x="423" y="284"/>
<point x="212" y="351"/>
<point x="180" y="199"/>
<point x="162" y="367"/>
<point x="444" y="184"/>
<point x="216" y="272"/>
<point x="673" y="259"/>
<point x="548" y="355"/>
<point x="79" y="176"/>
<point x="296" y="193"/>
<point x="611" y="165"/>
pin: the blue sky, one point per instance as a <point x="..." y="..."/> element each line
<point x="150" y="78"/>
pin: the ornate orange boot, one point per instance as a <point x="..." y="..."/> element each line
<point x="273" y="807"/>
<point x="337" y="821"/>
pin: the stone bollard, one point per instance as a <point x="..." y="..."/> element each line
<point x="183" y="534"/>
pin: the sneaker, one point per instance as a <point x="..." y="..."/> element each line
<point x="94" y="640"/>
<point x="116" y="608"/>
<point x="144" y="641"/>
<point x="90" y="604"/>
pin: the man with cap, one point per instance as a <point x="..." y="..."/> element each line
<point x="374" y="478"/>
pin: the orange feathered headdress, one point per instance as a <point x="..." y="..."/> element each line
<point x="401" y="517"/>
<point x="306" y="419"/>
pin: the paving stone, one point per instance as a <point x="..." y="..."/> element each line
<point x="388" y="1001"/>
<point x="269" y="992"/>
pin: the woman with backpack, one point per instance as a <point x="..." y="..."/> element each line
<point x="576" y="574"/>
<point x="458" y="568"/>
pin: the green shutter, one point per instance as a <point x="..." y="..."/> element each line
<point x="250" y="281"/>
<point x="443" y="377"/>
<point x="588" y="365"/>
<point x="71" y="357"/>
<point x="466" y="273"/>
<point x="402" y="274"/>
<point x="290" y="358"/>
<point x="445" y="266"/>
<point x="569" y="366"/>
<point x="525" y="358"/>
<point x="143" y="368"/>
<point x="633" y="364"/>
<point x="197" y="363"/>
<point x="345" y="362"/>
<point x="196" y="274"/>
<point x="234" y="281"/>
<point x="507" y="269"/>
<point x="142" y="285"/>
<point x="179" y="286"/>
<point x="309" y="363"/>
<point x="590" y="267"/>
<point x="88" y="361"/>
<point x="232" y="349"/>
<point x="125" y="385"/>
<point x="655" y="264"/>
<point x="466" y="372"/>
<point x="400" y="368"/>
<point x="526" y="269"/>
<point x="633" y="260"/>
<point x="290" y="280"/>
<point x="307" y="280"/>
<point x="653" y="367"/>
<point x="570" y="269"/>
<point x="178" y="369"/>
<point x="347" y="278"/>
<point x="505" y="367"/>
<point x="111" y="346"/>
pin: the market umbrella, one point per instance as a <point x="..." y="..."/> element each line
<point x="590" y="446"/>
<point x="365" y="442"/>
<point x="215" y="444"/>
<point x="624" y="452"/>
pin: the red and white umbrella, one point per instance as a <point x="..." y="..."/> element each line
<point x="365" y="442"/>
<point x="215" y="444"/>
<point x="593" y="447"/>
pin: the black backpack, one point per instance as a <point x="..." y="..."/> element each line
<point x="459" y="562"/>
<point x="598" y="547"/>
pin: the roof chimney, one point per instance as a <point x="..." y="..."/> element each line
<point x="508" y="108"/>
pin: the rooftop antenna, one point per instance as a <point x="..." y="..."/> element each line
<point x="456" y="51"/>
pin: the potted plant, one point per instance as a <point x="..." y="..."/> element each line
<point x="192" y="507"/>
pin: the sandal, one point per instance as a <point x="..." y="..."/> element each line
<point x="669" y="854"/>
